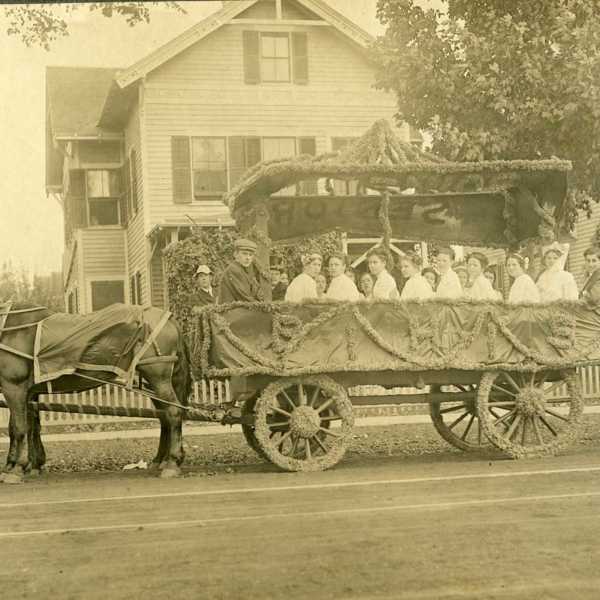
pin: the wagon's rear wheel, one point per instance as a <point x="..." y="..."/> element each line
<point x="521" y="414"/>
<point x="457" y="421"/>
<point x="292" y="419"/>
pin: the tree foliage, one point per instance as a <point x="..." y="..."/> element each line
<point x="494" y="79"/>
<point x="42" y="24"/>
<point x="43" y="290"/>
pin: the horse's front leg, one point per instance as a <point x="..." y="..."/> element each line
<point x="37" y="453"/>
<point x="16" y="398"/>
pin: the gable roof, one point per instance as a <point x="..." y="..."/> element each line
<point x="230" y="11"/>
<point x="75" y="98"/>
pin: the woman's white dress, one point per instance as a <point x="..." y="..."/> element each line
<point x="385" y="286"/>
<point x="342" y="288"/>
<point x="449" y="285"/>
<point x="481" y="289"/>
<point x="523" y="289"/>
<point x="556" y="284"/>
<point x="302" y="287"/>
<point x="416" y="288"/>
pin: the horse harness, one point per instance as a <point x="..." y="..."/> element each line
<point x="4" y="317"/>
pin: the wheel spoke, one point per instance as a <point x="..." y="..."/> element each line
<point x="505" y="417"/>
<point x="314" y="396"/>
<point x="513" y="426"/>
<point x="537" y="430"/>
<point x="290" y="401"/>
<point x="282" y="439"/>
<point x="557" y="415"/>
<point x="294" y="445"/>
<point x="524" y="430"/>
<point x="325" y="405"/>
<point x="307" y="450"/>
<point x="329" y="432"/>
<point x="443" y="411"/>
<point x="320" y="443"/>
<point x="479" y="432"/>
<point x="552" y="430"/>
<point x="512" y="382"/>
<point x="458" y="420"/>
<point x="467" y="428"/>
<point x="503" y="390"/>
<point x="281" y="411"/>
<point x="501" y="403"/>
<point x="301" y="395"/>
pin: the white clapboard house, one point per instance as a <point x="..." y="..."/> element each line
<point x="136" y="154"/>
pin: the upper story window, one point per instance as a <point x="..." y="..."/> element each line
<point x="275" y="57"/>
<point x="209" y="166"/>
<point x="103" y="197"/>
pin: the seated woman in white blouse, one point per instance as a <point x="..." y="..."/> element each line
<point x="480" y="286"/>
<point x="523" y="288"/>
<point x="416" y="286"/>
<point x="554" y="283"/>
<point x="304" y="286"/>
<point x="341" y="287"/>
<point x="385" y="285"/>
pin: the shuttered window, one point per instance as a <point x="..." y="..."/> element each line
<point x="135" y="288"/>
<point x="133" y="179"/>
<point x="103" y="196"/>
<point x="271" y="57"/>
<point x="181" y="169"/>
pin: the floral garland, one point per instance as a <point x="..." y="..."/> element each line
<point x="491" y="340"/>
<point x="563" y="331"/>
<point x="351" y="343"/>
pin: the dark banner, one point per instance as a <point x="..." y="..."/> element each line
<point x="469" y="218"/>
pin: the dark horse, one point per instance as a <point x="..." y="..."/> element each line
<point x="168" y="380"/>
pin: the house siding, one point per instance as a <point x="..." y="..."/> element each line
<point x="585" y="231"/>
<point x="136" y="239"/>
<point x="201" y="92"/>
<point x="103" y="251"/>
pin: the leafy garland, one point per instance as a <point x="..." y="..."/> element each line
<point x="532" y="359"/>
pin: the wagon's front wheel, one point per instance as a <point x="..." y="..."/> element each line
<point x="292" y="418"/>
<point x="522" y="414"/>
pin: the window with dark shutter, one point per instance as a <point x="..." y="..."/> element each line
<point x="132" y="292"/>
<point x="77" y="199"/>
<point x="126" y="193"/>
<point x="307" y="145"/>
<point x="251" y="57"/>
<point x="300" y="58"/>
<point x="138" y="287"/>
<point x="181" y="169"/>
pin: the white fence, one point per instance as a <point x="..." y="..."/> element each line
<point x="217" y="392"/>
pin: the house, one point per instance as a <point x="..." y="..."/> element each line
<point x="138" y="154"/>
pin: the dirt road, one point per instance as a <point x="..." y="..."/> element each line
<point x="460" y="527"/>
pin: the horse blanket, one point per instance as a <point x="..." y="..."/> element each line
<point x="107" y="341"/>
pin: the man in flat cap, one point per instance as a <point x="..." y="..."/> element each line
<point x="204" y="292"/>
<point x="242" y="280"/>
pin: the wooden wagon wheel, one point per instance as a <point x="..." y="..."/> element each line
<point x="458" y="421"/>
<point x="292" y="418"/>
<point x="524" y="418"/>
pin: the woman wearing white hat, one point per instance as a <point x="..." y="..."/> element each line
<point x="523" y="288"/>
<point x="304" y="286"/>
<point x="554" y="283"/>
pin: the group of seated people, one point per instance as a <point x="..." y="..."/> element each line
<point x="474" y="280"/>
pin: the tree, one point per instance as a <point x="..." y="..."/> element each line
<point x="496" y="79"/>
<point x="42" y="24"/>
<point x="42" y="290"/>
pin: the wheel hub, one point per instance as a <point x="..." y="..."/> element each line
<point x="305" y="421"/>
<point x="530" y="402"/>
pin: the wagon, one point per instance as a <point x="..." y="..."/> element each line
<point x="491" y="372"/>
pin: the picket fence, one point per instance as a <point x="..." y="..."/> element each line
<point x="217" y="392"/>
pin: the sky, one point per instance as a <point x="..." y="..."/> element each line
<point x="30" y="223"/>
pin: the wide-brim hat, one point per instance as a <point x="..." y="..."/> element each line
<point x="244" y="244"/>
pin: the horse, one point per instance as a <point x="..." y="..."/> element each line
<point x="164" y="364"/>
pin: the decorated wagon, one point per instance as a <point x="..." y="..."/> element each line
<point x="491" y="372"/>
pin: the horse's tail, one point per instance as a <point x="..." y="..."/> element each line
<point x="182" y="377"/>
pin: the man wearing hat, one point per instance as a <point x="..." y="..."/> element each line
<point x="204" y="291"/>
<point x="242" y="280"/>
